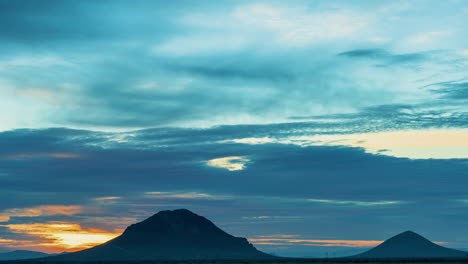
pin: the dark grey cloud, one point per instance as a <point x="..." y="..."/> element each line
<point x="103" y="64"/>
<point x="133" y="169"/>
<point x="226" y="71"/>
<point x="452" y="90"/>
<point x="434" y="115"/>
<point x="365" y="53"/>
<point x="278" y="181"/>
<point x="63" y="22"/>
<point x="139" y="89"/>
<point x="110" y="74"/>
<point x="100" y="64"/>
<point x="387" y="58"/>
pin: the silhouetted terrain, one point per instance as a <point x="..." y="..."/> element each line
<point x="21" y="254"/>
<point x="170" y="235"/>
<point x="181" y="235"/>
<point x="409" y="245"/>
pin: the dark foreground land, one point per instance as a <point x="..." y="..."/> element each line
<point x="278" y="261"/>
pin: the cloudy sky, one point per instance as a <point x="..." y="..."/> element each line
<point x="309" y="127"/>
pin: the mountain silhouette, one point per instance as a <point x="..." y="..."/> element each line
<point x="409" y="245"/>
<point x="21" y="254"/>
<point x="170" y="235"/>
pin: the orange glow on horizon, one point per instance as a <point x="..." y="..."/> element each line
<point x="315" y="242"/>
<point x="286" y="240"/>
<point x="43" y="155"/>
<point x="107" y="198"/>
<point x="59" y="236"/>
<point x="41" y="210"/>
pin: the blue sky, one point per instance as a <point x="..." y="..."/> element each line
<point x="299" y="125"/>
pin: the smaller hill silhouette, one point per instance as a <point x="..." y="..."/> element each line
<point x="22" y="254"/>
<point x="170" y="235"/>
<point x="409" y="245"/>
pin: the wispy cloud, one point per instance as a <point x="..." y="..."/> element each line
<point x="269" y="107"/>
<point x="42" y="155"/>
<point x="107" y="198"/>
<point x="314" y="242"/>
<point x="185" y="195"/>
<point x="414" y="144"/>
<point x="355" y="203"/>
<point x="229" y="163"/>
<point x="40" y="211"/>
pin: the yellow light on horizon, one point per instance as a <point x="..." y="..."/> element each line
<point x="413" y="144"/>
<point x="63" y="235"/>
<point x="315" y="242"/>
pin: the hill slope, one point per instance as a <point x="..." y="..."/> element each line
<point x="170" y="235"/>
<point x="22" y="254"/>
<point x="409" y="245"/>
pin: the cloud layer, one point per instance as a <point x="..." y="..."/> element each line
<point x="308" y="190"/>
<point x="338" y="123"/>
<point x="234" y="62"/>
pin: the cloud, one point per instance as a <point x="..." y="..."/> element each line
<point x="246" y="26"/>
<point x="314" y="242"/>
<point x="356" y="203"/>
<point x="184" y="195"/>
<point x="35" y="61"/>
<point x="297" y="63"/>
<point x="365" y="53"/>
<point x="40" y="210"/>
<point x="414" y="144"/>
<point x="235" y="109"/>
<point x="387" y="58"/>
<point x="427" y="37"/>
<point x="282" y="178"/>
<point x="267" y="217"/>
<point x="296" y="28"/>
<point x="107" y="198"/>
<point x="452" y="90"/>
<point x="229" y="163"/>
<point x="43" y="155"/>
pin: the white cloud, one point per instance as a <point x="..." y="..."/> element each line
<point x="261" y="25"/>
<point x="426" y="37"/>
<point x="294" y="27"/>
<point x="34" y="61"/>
<point x="414" y="144"/>
<point x="356" y="203"/>
<point x="185" y="195"/>
<point x="229" y="163"/>
<point x="201" y="43"/>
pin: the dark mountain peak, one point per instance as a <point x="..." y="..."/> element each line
<point x="410" y="245"/>
<point x="408" y="236"/>
<point x="171" y="235"/>
<point x="175" y="224"/>
<point x="24" y="251"/>
<point x="408" y="233"/>
<point x="169" y="215"/>
<point x="180" y="211"/>
<point x="176" y="212"/>
<point x="21" y="254"/>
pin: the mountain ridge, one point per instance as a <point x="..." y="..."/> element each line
<point x="170" y="235"/>
<point x="410" y="245"/>
<point x="22" y="254"/>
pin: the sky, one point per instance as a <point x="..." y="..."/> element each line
<point x="312" y="128"/>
